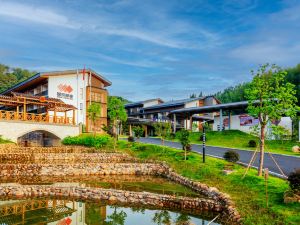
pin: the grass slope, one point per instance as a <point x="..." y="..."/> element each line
<point x="239" y="139"/>
<point x="248" y="194"/>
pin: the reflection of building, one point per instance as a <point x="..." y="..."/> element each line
<point x="39" y="211"/>
<point x="52" y="212"/>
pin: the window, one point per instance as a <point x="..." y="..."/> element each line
<point x="81" y="106"/>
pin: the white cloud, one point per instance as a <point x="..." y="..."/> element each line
<point x="35" y="14"/>
<point x="264" y="52"/>
<point x="140" y="63"/>
<point x="179" y="35"/>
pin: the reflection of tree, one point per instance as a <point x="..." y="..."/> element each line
<point x="162" y="217"/>
<point x="95" y="214"/>
<point x="182" y="219"/>
<point x="117" y="218"/>
<point x="138" y="210"/>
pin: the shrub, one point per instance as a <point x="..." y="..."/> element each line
<point x="231" y="156"/>
<point x="294" y="180"/>
<point x="98" y="141"/>
<point x="130" y="139"/>
<point x="252" y="144"/>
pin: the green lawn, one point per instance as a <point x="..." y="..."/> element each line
<point x="239" y="139"/>
<point x="248" y="194"/>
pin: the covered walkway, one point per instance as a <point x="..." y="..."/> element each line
<point x="191" y="113"/>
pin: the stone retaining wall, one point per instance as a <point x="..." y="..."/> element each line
<point x="118" y="196"/>
<point x="11" y="148"/>
<point x="11" y="170"/>
<point x="64" y="158"/>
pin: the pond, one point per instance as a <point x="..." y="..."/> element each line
<point x="152" y="184"/>
<point x="65" y="212"/>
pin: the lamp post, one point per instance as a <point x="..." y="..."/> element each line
<point x="203" y="141"/>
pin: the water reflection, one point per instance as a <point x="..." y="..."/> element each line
<point x="65" y="212"/>
<point x="153" y="184"/>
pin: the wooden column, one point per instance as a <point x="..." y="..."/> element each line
<point x="73" y="117"/>
<point x="18" y="111"/>
<point x="130" y="130"/>
<point x="174" y="123"/>
<point x="191" y="122"/>
<point x="54" y="116"/>
<point x="146" y="131"/>
<point x="65" y="119"/>
<point x="24" y="110"/>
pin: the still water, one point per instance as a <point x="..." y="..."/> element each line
<point x="66" y="212"/>
<point x="152" y="184"/>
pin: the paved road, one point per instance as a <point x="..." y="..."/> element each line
<point x="287" y="163"/>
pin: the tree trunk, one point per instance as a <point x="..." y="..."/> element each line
<point x="94" y="124"/>
<point x="185" y="153"/>
<point x="262" y="150"/>
<point x="163" y="141"/>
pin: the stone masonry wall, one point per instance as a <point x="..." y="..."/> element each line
<point x="194" y="205"/>
<point x="64" y="158"/>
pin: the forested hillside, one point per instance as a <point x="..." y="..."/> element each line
<point x="237" y="93"/>
<point x="11" y="76"/>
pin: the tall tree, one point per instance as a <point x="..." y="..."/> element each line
<point x="269" y="98"/>
<point x="116" y="114"/>
<point x="94" y="112"/>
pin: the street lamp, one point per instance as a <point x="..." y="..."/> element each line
<point x="203" y="141"/>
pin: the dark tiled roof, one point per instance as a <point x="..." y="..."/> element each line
<point x="174" y="103"/>
<point x="140" y="103"/>
<point x="213" y="108"/>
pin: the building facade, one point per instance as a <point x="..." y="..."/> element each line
<point x="79" y="88"/>
<point x="156" y="110"/>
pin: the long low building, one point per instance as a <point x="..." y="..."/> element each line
<point x="156" y="110"/>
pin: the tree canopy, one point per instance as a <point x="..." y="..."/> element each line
<point x="11" y="76"/>
<point x="237" y="93"/>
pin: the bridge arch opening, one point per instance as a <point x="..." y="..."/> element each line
<point x="39" y="138"/>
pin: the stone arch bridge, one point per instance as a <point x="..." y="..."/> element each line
<point x="13" y="130"/>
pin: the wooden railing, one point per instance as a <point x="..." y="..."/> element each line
<point x="37" y="118"/>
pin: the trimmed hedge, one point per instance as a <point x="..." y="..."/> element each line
<point x="252" y="144"/>
<point x="231" y="156"/>
<point x="131" y="139"/>
<point x="294" y="180"/>
<point x="97" y="141"/>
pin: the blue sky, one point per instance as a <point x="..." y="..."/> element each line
<point x="153" y="48"/>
